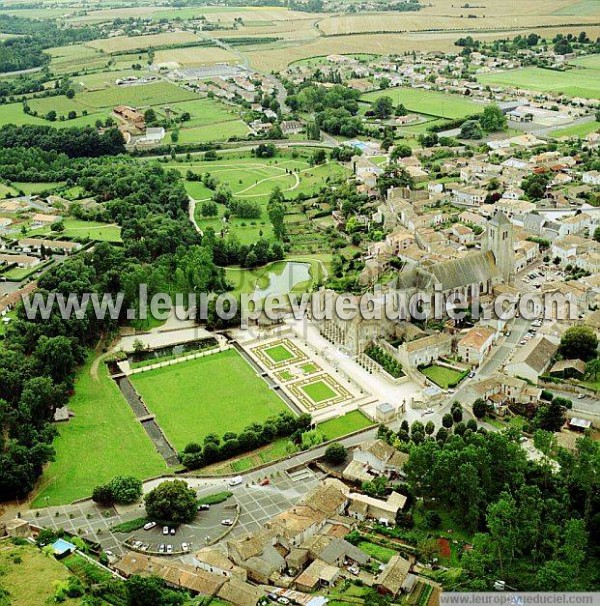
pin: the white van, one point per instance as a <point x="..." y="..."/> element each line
<point x="236" y="481"/>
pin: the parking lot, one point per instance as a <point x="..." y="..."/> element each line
<point x="257" y="505"/>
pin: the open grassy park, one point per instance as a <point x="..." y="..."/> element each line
<point x="319" y="391"/>
<point x="120" y="444"/>
<point x="191" y="399"/>
<point x="428" y="102"/>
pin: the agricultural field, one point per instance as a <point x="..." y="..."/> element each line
<point x="121" y="446"/>
<point x="583" y="8"/>
<point x="129" y="43"/>
<point x="190" y="399"/>
<point x="194" y="56"/>
<point x="144" y="95"/>
<point x="12" y="113"/>
<point x="204" y="112"/>
<point x="574" y="83"/>
<point x="428" y="102"/>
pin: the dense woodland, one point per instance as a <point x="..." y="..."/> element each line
<point x="531" y="526"/>
<point x="26" y="51"/>
<point x="39" y="358"/>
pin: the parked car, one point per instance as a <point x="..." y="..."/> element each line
<point x="236" y="481"/>
<point x="185" y="547"/>
<point x="169" y="548"/>
<point x="165" y="530"/>
<point x="283" y="600"/>
<point x="353" y="570"/>
<point x="580" y="396"/>
<point x="264" y="482"/>
<point x="149" y="525"/>
<point x="161" y="548"/>
<point x="172" y="530"/>
<point x="471" y="374"/>
<point x="227" y="522"/>
<point x="203" y="507"/>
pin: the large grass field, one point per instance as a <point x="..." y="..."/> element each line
<point x="574" y="83"/>
<point x="193" y="399"/>
<point x="428" y="102"/>
<point x="74" y="228"/>
<point x="128" y="43"/>
<point x="29" y="576"/>
<point x="442" y="376"/>
<point x="220" y="131"/>
<point x="102" y="440"/>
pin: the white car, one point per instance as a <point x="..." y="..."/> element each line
<point x="353" y="570"/>
<point x="149" y="525"/>
<point x="580" y="396"/>
<point x="283" y="600"/>
<point x="236" y="481"/>
<point x="185" y="547"/>
<point x="165" y="530"/>
<point x="169" y="548"/>
<point x="227" y="522"/>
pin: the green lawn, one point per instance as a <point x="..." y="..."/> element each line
<point x="279" y="353"/>
<point x="102" y="440"/>
<point x="75" y="228"/>
<point x="145" y="95"/>
<point x="574" y="83"/>
<point x="383" y="554"/>
<point x="319" y="391"/>
<point x="579" y="130"/>
<point x="220" y="131"/>
<point x="214" y="394"/>
<point x="428" y="102"/>
<point x="342" y="426"/>
<point x="442" y="376"/>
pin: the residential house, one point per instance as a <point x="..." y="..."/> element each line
<point x="533" y="359"/>
<point x="380" y="458"/>
<point x="362" y="507"/>
<point x="425" y="350"/>
<point x="476" y="344"/>
<point x="391" y="581"/>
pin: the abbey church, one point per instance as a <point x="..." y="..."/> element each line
<point x="476" y="274"/>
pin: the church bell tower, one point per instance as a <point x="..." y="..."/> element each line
<point x="500" y="241"/>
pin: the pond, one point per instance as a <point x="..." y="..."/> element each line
<point x="281" y="278"/>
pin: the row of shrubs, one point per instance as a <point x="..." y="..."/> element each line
<point x="385" y="360"/>
<point x="230" y="444"/>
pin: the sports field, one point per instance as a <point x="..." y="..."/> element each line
<point x="120" y="444"/>
<point x="428" y="102"/>
<point x="192" y="399"/>
<point x="573" y="83"/>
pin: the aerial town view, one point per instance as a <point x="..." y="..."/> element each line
<point x="299" y="302"/>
